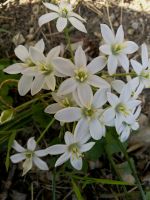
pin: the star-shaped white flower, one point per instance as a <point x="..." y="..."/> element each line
<point x="89" y="113"/>
<point x="76" y="145"/>
<point x="122" y="107"/>
<point x="82" y="76"/>
<point x="63" y="13"/>
<point x="30" y="155"/>
<point x="124" y="128"/>
<point x="25" y="82"/>
<point x="116" y="48"/>
<point x="142" y="70"/>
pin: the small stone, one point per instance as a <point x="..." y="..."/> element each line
<point x="135" y="25"/>
<point x="130" y="31"/>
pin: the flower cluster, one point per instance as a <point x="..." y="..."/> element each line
<point x="88" y="95"/>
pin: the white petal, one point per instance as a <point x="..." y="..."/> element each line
<point x="106" y="49"/>
<point x="67" y="86"/>
<point x="77" y="24"/>
<point x="125" y="134"/>
<point x="51" y="6"/>
<point x="80" y="57"/>
<point x="61" y="23"/>
<point x="119" y="35"/>
<point x="37" y="56"/>
<point x="95" y="129"/>
<point x="64" y="66"/>
<point x="112" y="64"/>
<point x="40" y="45"/>
<point x="87" y="147"/>
<point x="17" y="157"/>
<point x="14" y="69"/>
<point x="117" y="85"/>
<point x="76" y="98"/>
<point x="107" y="34"/>
<point x="37" y="84"/>
<point x="53" y="108"/>
<point x="100" y="97"/>
<point x="50" y="81"/>
<point x="72" y="14"/>
<point x="22" y="53"/>
<point x="53" y="53"/>
<point x="130" y="47"/>
<point x="27" y="165"/>
<point x="136" y="66"/>
<point x="70" y="114"/>
<point x="97" y="64"/>
<point x="124" y="61"/>
<point x="135" y="126"/>
<point x="30" y="71"/>
<point x="41" y="153"/>
<point x="96" y="81"/>
<point x="81" y="132"/>
<point x="112" y="99"/>
<point x="40" y="163"/>
<point x="109" y="114"/>
<point x="31" y="144"/>
<point x="47" y="18"/>
<point x="76" y="162"/>
<point x="125" y="93"/>
<point x="85" y="94"/>
<point x="144" y="55"/>
<point x="57" y="149"/>
<point x="69" y="138"/>
<point x="24" y="84"/>
<point x="18" y="147"/>
<point x="63" y="158"/>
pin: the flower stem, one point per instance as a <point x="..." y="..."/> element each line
<point x="120" y="74"/>
<point x="67" y="36"/>
<point x="45" y="130"/>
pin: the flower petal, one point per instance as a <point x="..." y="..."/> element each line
<point x="24" y="84"/>
<point x="40" y="163"/>
<point x="14" y="69"/>
<point x="72" y="14"/>
<point x="117" y="85"/>
<point x="87" y="147"/>
<point x="70" y="114"/>
<point x="27" y="165"/>
<point x="130" y="47"/>
<point x="50" y="81"/>
<point x="40" y="45"/>
<point x="85" y="94"/>
<point x="18" y="147"/>
<point x="31" y="144"/>
<point x="95" y="129"/>
<point x="112" y="64"/>
<point x="51" y="6"/>
<point x="109" y="114"/>
<point x="112" y="99"/>
<point x="77" y="24"/>
<point x="106" y="49"/>
<point x="80" y="57"/>
<point x="37" y="56"/>
<point x="144" y="55"/>
<point x="47" y="18"/>
<point x="119" y="35"/>
<point x="76" y="162"/>
<point x="61" y="23"/>
<point x="38" y="83"/>
<point x="97" y="64"/>
<point x="100" y="97"/>
<point x="41" y="153"/>
<point x="17" y="157"/>
<point x="64" y="66"/>
<point x="107" y="34"/>
<point x="96" y="81"/>
<point x="53" y="53"/>
<point x="22" y="53"/>
<point x="57" y="149"/>
<point x="53" y="108"/>
<point x="124" y="61"/>
<point x="137" y="66"/>
<point x="67" y="86"/>
<point x="63" y="158"/>
<point x="69" y="138"/>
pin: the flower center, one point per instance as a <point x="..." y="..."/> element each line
<point x="29" y="62"/>
<point x="29" y="154"/>
<point x="74" y="149"/>
<point x="46" y="68"/>
<point x="64" y="12"/>
<point x="121" y="108"/>
<point x="81" y="74"/>
<point x="146" y="74"/>
<point x="89" y="112"/>
<point x="116" y="48"/>
<point x="66" y="102"/>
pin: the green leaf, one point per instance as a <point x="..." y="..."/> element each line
<point x="6" y="116"/>
<point x="76" y="190"/>
<point x="10" y="142"/>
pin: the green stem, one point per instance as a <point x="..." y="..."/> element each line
<point x="120" y="74"/>
<point x="132" y="168"/>
<point x="66" y="31"/>
<point x="45" y="130"/>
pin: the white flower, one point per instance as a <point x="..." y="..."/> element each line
<point x="82" y="76"/>
<point x="62" y="102"/>
<point x="63" y="13"/>
<point x="29" y="155"/>
<point x="125" y="127"/>
<point x="122" y="108"/>
<point x="74" y="148"/>
<point x="142" y="70"/>
<point x="90" y="113"/>
<point x="116" y="48"/>
<point x="25" y="82"/>
<point x="44" y="70"/>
